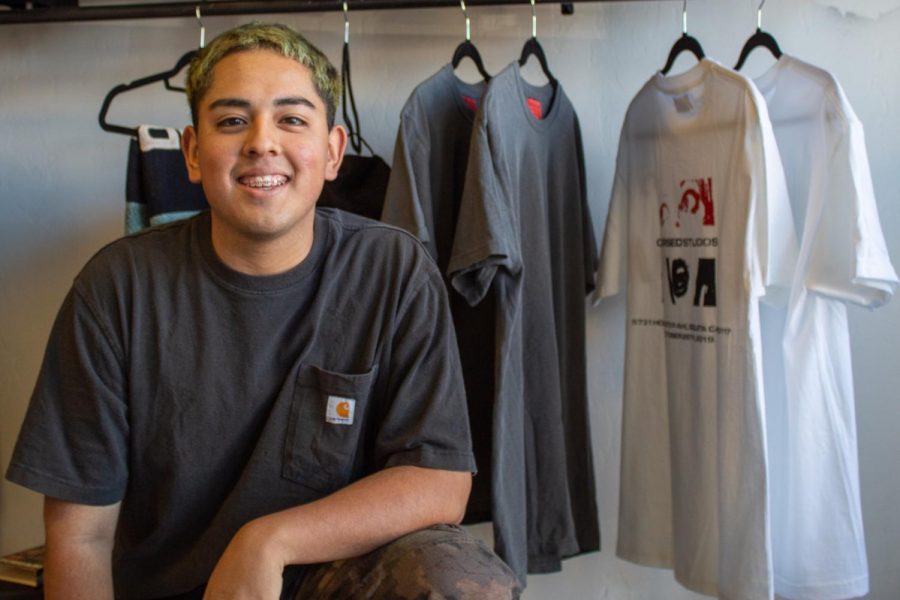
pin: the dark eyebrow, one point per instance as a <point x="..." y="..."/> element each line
<point x="239" y="103"/>
<point x="229" y="102"/>
<point x="294" y="101"/>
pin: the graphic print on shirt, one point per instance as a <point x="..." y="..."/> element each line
<point x="688" y="242"/>
<point x="694" y="214"/>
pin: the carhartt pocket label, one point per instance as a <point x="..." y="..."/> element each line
<point x="340" y="410"/>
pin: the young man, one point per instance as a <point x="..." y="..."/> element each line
<point x="231" y="399"/>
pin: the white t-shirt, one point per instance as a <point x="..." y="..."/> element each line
<point x="700" y="223"/>
<point x="817" y="531"/>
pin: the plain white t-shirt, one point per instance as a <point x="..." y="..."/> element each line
<point x="817" y="530"/>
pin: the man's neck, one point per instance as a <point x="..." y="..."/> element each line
<point x="261" y="256"/>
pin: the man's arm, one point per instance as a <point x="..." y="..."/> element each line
<point x="354" y="520"/>
<point x="79" y="538"/>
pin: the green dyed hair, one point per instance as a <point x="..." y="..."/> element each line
<point x="263" y="36"/>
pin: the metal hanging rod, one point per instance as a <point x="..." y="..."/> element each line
<point x="56" y="14"/>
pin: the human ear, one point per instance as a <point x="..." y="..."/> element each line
<point x="189" y="150"/>
<point x="337" y="143"/>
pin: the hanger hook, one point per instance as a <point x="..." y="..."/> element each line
<point x="684" y="18"/>
<point x="346" y="24"/>
<point x="462" y="4"/>
<point x="202" y="28"/>
<point x="533" y="21"/>
<point x="759" y="15"/>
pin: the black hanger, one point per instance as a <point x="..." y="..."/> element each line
<point x="684" y="43"/>
<point x="354" y="133"/>
<point x="125" y="87"/>
<point x="467" y="48"/>
<point x="533" y="47"/>
<point x="165" y="76"/>
<point x="759" y="38"/>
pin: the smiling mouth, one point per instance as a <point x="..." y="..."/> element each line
<point x="264" y="182"/>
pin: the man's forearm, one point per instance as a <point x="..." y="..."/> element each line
<point x="78" y="562"/>
<point x="77" y="571"/>
<point x="363" y="516"/>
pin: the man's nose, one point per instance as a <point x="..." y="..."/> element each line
<point x="262" y="139"/>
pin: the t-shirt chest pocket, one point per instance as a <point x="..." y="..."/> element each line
<point x="325" y="427"/>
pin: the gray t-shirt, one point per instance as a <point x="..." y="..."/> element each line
<point x="202" y="397"/>
<point x="524" y="231"/>
<point x="423" y="197"/>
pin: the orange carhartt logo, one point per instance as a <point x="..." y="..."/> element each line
<point x="340" y="410"/>
<point x="343" y="409"/>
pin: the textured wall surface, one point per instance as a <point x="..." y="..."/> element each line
<point x="62" y="183"/>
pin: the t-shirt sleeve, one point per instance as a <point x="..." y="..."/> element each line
<point x="589" y="242"/>
<point x="486" y="238"/>
<point x="614" y="253"/>
<point x="848" y="256"/>
<point x="73" y="442"/>
<point x="426" y="421"/>
<point x="407" y="203"/>
<point x="771" y="240"/>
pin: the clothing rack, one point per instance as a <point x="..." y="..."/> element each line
<point x="37" y="12"/>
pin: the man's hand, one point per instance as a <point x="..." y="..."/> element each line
<point x="354" y="520"/>
<point x="246" y="570"/>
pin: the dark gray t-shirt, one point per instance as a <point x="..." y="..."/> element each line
<point x="202" y="397"/>
<point x="423" y="197"/>
<point x="525" y="233"/>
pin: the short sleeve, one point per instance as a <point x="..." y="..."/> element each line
<point x="848" y="256"/>
<point x="611" y="278"/>
<point x="486" y="238"/>
<point x="426" y="422"/>
<point x="772" y="242"/>
<point x="589" y="242"/>
<point x="406" y="202"/>
<point x="73" y="444"/>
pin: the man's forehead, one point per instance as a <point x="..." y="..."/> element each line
<point x="260" y="63"/>
<point x="237" y="77"/>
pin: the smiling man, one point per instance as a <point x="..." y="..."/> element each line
<point x="264" y="401"/>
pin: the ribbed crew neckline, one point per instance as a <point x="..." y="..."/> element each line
<point x="260" y="284"/>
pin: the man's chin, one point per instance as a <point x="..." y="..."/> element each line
<point x="266" y="228"/>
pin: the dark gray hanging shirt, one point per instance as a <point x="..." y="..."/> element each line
<point x="423" y="197"/>
<point x="524" y="232"/>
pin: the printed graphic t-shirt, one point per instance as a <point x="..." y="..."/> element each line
<point x="700" y="227"/>
<point x="818" y="544"/>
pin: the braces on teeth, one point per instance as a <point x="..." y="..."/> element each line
<point x="266" y="182"/>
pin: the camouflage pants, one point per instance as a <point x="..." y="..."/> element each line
<point x="440" y="563"/>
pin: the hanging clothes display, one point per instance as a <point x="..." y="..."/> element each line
<point x="157" y="188"/>
<point x="423" y="196"/>
<point x="700" y="227"/>
<point x="524" y="233"/>
<point x="817" y="530"/>
<point x="359" y="187"/>
<point x="362" y="181"/>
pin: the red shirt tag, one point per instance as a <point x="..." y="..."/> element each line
<point x="471" y="103"/>
<point x="536" y="108"/>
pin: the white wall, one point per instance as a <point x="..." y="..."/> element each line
<point x="62" y="183"/>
